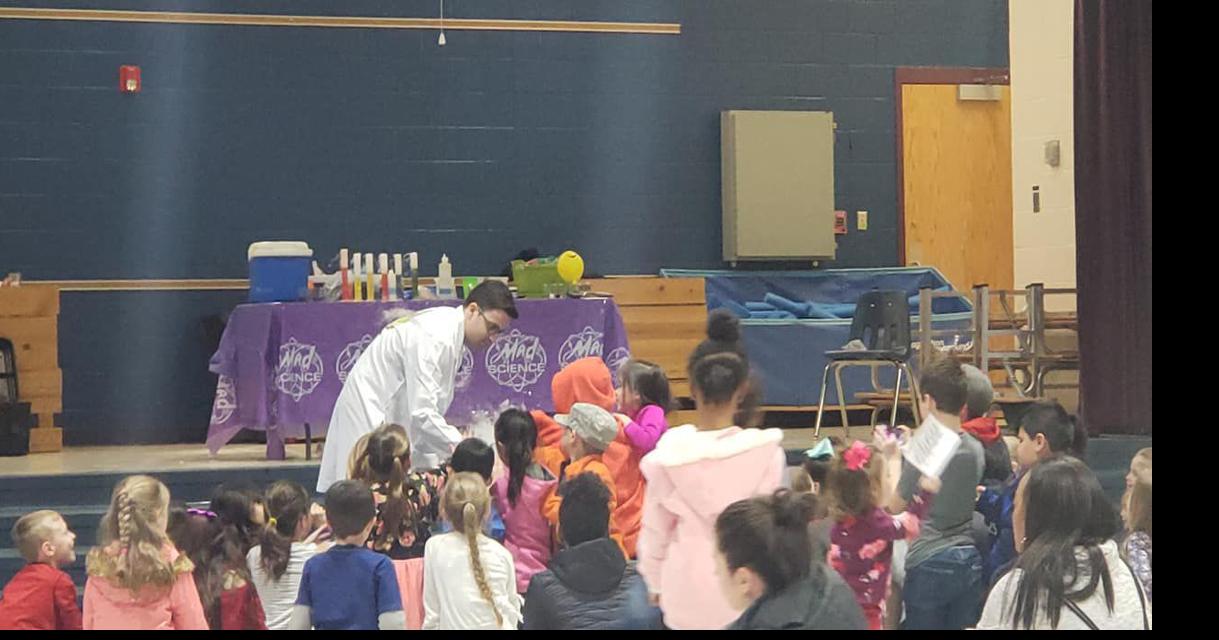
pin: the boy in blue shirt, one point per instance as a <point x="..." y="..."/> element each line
<point x="349" y="586"/>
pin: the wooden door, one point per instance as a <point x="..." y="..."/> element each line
<point x="957" y="184"/>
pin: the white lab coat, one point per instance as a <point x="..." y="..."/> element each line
<point x="405" y="376"/>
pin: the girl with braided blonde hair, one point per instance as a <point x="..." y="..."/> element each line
<point x="137" y="578"/>
<point x="469" y="580"/>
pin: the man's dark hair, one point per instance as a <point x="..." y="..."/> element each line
<point x="493" y="295"/>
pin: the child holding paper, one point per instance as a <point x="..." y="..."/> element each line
<point x="943" y="585"/>
<point x="861" y="540"/>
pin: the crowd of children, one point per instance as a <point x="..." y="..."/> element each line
<point x="603" y="517"/>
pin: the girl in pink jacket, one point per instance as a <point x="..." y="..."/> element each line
<point x="644" y="396"/>
<point x="519" y="495"/>
<point x="694" y="473"/>
<point x="137" y="579"/>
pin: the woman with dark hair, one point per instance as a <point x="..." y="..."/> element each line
<point x="1070" y="574"/>
<point x="765" y="565"/>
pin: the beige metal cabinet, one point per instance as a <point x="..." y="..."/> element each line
<point x="778" y="185"/>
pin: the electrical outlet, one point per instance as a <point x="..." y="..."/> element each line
<point x="861" y="220"/>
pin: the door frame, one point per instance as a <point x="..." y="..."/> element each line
<point x="930" y="75"/>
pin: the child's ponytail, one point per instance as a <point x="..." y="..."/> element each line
<point x="383" y="458"/>
<point x="287" y="503"/>
<point x="516" y="431"/>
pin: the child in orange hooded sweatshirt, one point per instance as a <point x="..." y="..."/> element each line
<point x="588" y="431"/>
<point x="589" y="380"/>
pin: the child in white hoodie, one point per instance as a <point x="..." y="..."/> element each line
<point x="694" y="473"/>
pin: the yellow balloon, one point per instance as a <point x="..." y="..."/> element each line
<point x="571" y="267"/>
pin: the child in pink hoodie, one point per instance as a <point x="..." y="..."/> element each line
<point x="694" y="473"/>
<point x="644" y="396"/>
<point x="137" y="578"/>
<point x="519" y="495"/>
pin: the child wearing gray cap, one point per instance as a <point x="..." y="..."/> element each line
<point x="587" y="431"/>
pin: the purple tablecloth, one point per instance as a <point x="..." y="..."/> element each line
<point x="282" y="365"/>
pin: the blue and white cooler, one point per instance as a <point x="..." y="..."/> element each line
<point x="279" y="271"/>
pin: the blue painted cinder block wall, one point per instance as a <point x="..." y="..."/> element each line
<point x="381" y="140"/>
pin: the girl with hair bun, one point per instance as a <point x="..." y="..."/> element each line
<point x="695" y="471"/>
<point x="765" y="565"/>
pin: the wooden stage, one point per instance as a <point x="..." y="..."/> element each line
<point x="195" y="457"/>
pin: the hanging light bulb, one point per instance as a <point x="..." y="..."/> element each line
<point x="441" y="40"/>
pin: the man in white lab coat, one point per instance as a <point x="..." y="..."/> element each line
<point x="406" y="376"/>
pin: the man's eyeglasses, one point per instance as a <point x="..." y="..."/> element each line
<point x="493" y="329"/>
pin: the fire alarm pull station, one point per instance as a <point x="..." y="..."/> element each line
<point x="129" y="79"/>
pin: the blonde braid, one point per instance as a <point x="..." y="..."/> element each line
<point x="131" y="524"/>
<point x="470" y="523"/>
<point x="122" y="526"/>
<point x="125" y="527"/>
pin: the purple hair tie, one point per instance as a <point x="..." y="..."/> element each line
<point x="201" y="512"/>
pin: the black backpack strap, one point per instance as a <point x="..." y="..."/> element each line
<point x="1138" y="586"/>
<point x="1082" y="616"/>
